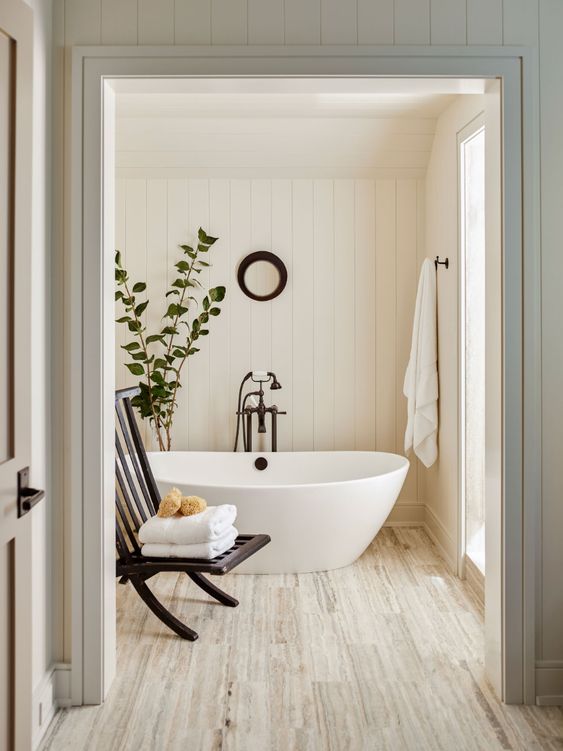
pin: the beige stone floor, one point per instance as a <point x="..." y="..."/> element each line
<point x="384" y="654"/>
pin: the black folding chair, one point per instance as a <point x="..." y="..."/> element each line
<point x="137" y="499"/>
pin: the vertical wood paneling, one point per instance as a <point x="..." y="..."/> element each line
<point x="261" y="239"/>
<point x="339" y="352"/>
<point x="282" y="309"/>
<point x="302" y="21"/>
<point x="198" y="364"/>
<point x="324" y="312"/>
<point x="364" y="328"/>
<point x="303" y="324"/>
<point x="406" y="240"/>
<point x="375" y="21"/>
<point x="136" y="255"/>
<point x="520" y="22"/>
<point x="156" y="21"/>
<point x="121" y="245"/>
<point x="119" y="21"/>
<point x="385" y="315"/>
<point x="192" y="22"/>
<point x="338" y="22"/>
<point x="228" y="21"/>
<point x="448" y="21"/>
<point x="157" y="269"/>
<point x="239" y="325"/>
<point x="344" y="335"/>
<point x="412" y="21"/>
<point x="178" y="231"/>
<point x="83" y="20"/>
<point x="221" y="401"/>
<point x="265" y="22"/>
<point x="484" y="22"/>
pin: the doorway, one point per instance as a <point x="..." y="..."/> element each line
<point x="473" y="333"/>
<point x="90" y="683"/>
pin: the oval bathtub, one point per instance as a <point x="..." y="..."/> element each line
<point x="321" y="509"/>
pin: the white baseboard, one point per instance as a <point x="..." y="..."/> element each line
<point x="549" y="683"/>
<point x="406" y="515"/>
<point x="51" y="694"/>
<point x="441" y="538"/>
<point x="475" y="579"/>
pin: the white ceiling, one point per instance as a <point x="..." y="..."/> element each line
<point x="282" y="126"/>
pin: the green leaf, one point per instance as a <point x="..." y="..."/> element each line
<point x="214" y="311"/>
<point x="118" y="295"/>
<point x="182" y="266"/>
<point x="207" y="239"/>
<point x="135" y="327"/>
<point x="138" y="356"/>
<point x="130" y="347"/>
<point x="202" y="248"/>
<point x="196" y="325"/>
<point x="155" y="338"/>
<point x="188" y="249"/>
<point x="172" y="311"/>
<point x="173" y="292"/>
<point x="193" y="350"/>
<point x="135" y="368"/>
<point x="123" y="319"/>
<point x="205" y="303"/>
<point x="120" y="276"/>
<point x="181" y="310"/>
<point x="177" y="352"/>
<point x="169" y="330"/>
<point x="159" y="363"/>
<point x="204" y="263"/>
<point x="217" y="294"/>
<point x="203" y="318"/>
<point x="141" y="307"/>
<point x="139" y="287"/>
<point x="204" y="332"/>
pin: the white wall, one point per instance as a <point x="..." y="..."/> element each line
<point x="496" y="22"/>
<point x="338" y="337"/>
<point x="442" y="238"/>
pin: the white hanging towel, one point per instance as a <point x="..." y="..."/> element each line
<point x="421" y="377"/>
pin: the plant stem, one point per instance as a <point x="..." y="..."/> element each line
<point x="139" y="333"/>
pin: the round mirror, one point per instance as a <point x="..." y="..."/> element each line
<point x="262" y="275"/>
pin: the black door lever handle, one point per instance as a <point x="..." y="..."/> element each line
<point x="27" y="497"/>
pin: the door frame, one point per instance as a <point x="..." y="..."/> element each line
<point x="90" y="424"/>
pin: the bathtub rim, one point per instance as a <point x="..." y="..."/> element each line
<point x="405" y="465"/>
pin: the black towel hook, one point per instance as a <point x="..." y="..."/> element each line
<point x="437" y="262"/>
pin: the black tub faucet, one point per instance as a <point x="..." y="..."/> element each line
<point x="253" y="404"/>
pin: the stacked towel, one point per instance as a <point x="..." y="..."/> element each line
<point x="205" y="535"/>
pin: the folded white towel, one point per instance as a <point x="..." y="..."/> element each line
<point x="206" y="550"/>
<point x="209" y="525"/>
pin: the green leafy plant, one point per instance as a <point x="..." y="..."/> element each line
<point x="159" y="358"/>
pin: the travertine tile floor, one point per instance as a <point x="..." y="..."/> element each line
<point x="384" y="654"/>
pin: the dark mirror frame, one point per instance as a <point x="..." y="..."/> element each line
<point x="262" y="255"/>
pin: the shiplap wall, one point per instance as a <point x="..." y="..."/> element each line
<point x="339" y="335"/>
<point x="536" y="23"/>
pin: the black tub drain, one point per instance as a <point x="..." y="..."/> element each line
<point x="261" y="463"/>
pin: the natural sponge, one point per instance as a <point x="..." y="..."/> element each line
<point x="192" y="504"/>
<point x="170" y="504"/>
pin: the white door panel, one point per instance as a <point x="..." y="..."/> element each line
<point x="16" y="35"/>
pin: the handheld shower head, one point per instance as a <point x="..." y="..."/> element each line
<point x="275" y="383"/>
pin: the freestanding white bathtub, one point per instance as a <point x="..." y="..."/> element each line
<point x="321" y="509"/>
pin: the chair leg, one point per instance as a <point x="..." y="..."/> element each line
<point x="212" y="590"/>
<point x="160" y="611"/>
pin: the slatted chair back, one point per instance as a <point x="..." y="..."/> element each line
<point x="136" y="492"/>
